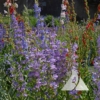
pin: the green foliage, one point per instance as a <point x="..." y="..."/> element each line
<point x="32" y="21"/>
<point x="56" y="22"/>
<point x="48" y="20"/>
<point x="31" y="12"/>
<point x="26" y="14"/>
<point x="4" y="19"/>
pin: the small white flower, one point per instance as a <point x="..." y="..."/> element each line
<point x="5" y="12"/>
<point x="9" y="4"/>
<point x="16" y="5"/>
<point x="62" y="21"/>
<point x="63" y="14"/>
<point x="5" y="4"/>
<point x="63" y="7"/>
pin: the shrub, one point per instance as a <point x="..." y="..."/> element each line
<point x="48" y="20"/>
<point x="33" y="21"/>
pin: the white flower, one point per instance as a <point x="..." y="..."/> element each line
<point x="62" y="21"/>
<point x="63" y="14"/>
<point x="5" y="12"/>
<point x="5" y="4"/>
<point x="9" y="4"/>
<point x="16" y="5"/>
<point x="63" y="7"/>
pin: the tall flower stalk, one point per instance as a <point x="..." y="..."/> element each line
<point x="64" y="13"/>
<point x="2" y="34"/>
<point x="87" y="9"/>
<point x="96" y="73"/>
<point x="73" y="11"/>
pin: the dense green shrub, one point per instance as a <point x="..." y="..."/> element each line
<point x="56" y="22"/>
<point x="33" y="20"/>
<point x="31" y="12"/>
<point x="48" y="20"/>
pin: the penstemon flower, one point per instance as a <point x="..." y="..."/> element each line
<point x="96" y="73"/>
<point x="7" y="3"/>
<point x="98" y="45"/>
<point x="72" y="62"/>
<point x="11" y="6"/>
<point x="16" y="5"/>
<point x="37" y="10"/>
<point x="5" y="12"/>
<point x="2" y="34"/>
<point x="11" y="9"/>
<point x="43" y="66"/>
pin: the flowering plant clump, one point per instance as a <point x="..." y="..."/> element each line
<point x="44" y="66"/>
<point x="96" y="74"/>
<point x="2" y="34"/>
<point x="37" y="10"/>
<point x="74" y="65"/>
